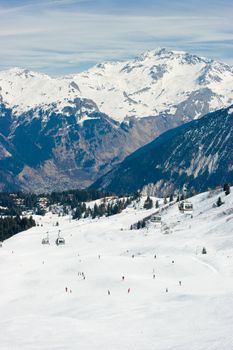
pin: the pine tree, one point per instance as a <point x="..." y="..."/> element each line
<point x="143" y="224"/>
<point x="95" y="211"/>
<point x="78" y="213"/>
<point x="226" y="189"/>
<point x="102" y="209"/>
<point x="148" y="203"/>
<point x="219" y="202"/>
<point x="204" y="250"/>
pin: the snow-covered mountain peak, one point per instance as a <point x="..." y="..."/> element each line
<point x="159" y="52"/>
<point x="156" y="82"/>
<point x="162" y="53"/>
<point x="18" y="72"/>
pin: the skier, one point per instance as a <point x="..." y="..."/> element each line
<point x="66" y="289"/>
<point x="123" y="278"/>
<point x="155" y="256"/>
<point x="128" y="290"/>
<point x="153" y="276"/>
<point x="180" y="283"/>
<point x="108" y="292"/>
<point x="166" y="290"/>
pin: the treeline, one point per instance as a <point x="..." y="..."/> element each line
<point x="8" y="206"/>
<point x="13" y="204"/>
<point x="140" y="224"/>
<point x="73" y="198"/>
<point x="105" y="208"/>
<point x="9" y="226"/>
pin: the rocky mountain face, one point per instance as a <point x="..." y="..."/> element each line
<point x="198" y="154"/>
<point x="60" y="133"/>
<point x="44" y="150"/>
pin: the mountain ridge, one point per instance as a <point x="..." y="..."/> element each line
<point x="155" y="82"/>
<point x="76" y="123"/>
<point x="198" y="154"/>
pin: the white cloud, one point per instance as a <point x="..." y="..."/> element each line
<point x="57" y="40"/>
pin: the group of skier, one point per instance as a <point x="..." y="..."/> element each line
<point x="82" y="275"/>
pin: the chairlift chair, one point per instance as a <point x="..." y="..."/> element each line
<point x="157" y="219"/>
<point x="186" y="207"/>
<point x="45" y="240"/>
<point x="60" y="240"/>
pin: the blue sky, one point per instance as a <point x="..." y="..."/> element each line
<point x="65" y="36"/>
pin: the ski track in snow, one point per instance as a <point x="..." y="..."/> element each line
<point x="207" y="265"/>
<point x="36" y="313"/>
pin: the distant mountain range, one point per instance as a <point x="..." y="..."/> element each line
<point x="157" y="82"/>
<point x="198" y="154"/>
<point x="61" y="133"/>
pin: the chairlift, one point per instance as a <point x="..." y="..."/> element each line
<point x="186" y="207"/>
<point x="60" y="240"/>
<point x="156" y="218"/>
<point x="45" y="240"/>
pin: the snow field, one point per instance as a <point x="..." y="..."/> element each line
<point x="36" y="312"/>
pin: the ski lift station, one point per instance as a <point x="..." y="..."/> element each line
<point x="60" y="240"/>
<point x="186" y="207"/>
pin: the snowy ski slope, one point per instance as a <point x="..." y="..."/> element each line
<point x="36" y="312"/>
